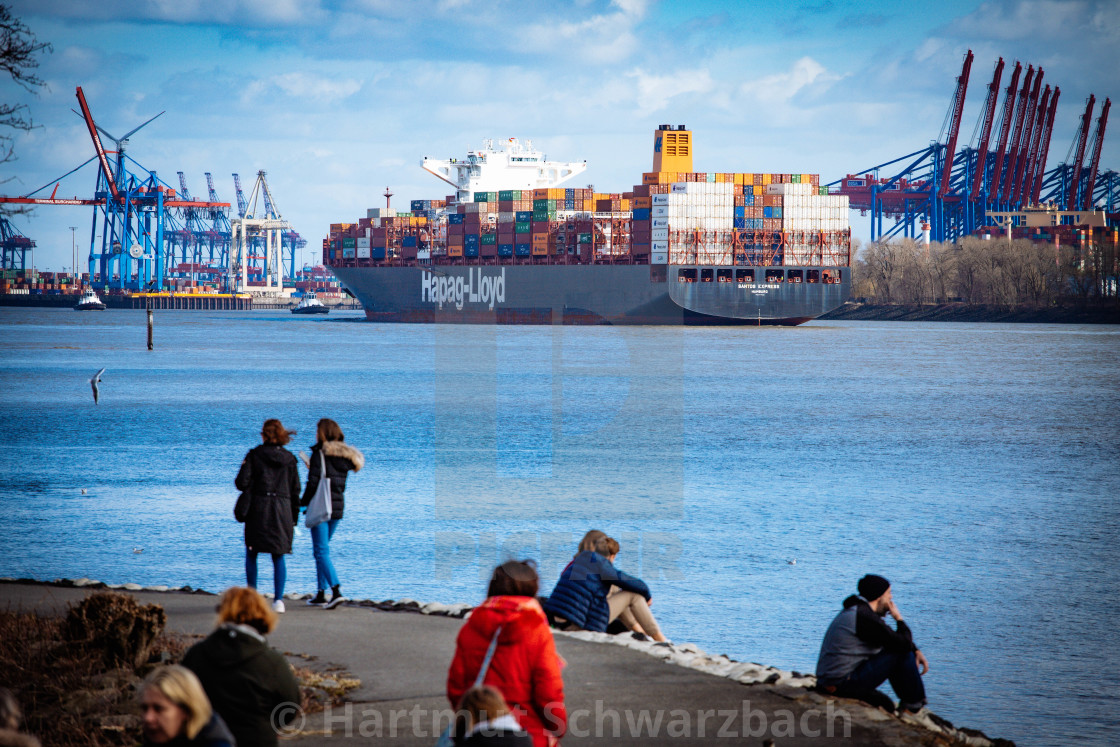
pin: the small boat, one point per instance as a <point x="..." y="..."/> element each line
<point x="310" y="304"/>
<point x="89" y="302"/>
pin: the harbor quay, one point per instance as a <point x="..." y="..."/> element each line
<point x="396" y="656"/>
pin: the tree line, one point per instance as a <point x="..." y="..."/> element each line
<point x="1012" y="274"/>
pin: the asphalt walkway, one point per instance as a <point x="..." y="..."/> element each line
<point x="614" y="695"/>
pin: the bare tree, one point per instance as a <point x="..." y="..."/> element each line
<point x="19" y="58"/>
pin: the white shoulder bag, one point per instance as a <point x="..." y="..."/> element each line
<point x="320" y="508"/>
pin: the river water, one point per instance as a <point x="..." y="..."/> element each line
<point x="752" y="476"/>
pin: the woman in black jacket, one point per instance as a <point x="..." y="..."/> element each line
<point x="270" y="476"/>
<point x="249" y="683"/>
<point x="339" y="459"/>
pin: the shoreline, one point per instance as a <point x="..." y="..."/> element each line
<point x="963" y="312"/>
<point x="791" y="685"/>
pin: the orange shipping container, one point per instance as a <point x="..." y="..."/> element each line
<point x="454" y="251"/>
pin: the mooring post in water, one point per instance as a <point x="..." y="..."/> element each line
<point x="149" y="328"/>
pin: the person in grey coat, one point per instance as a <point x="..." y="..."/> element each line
<point x="270" y="476"/>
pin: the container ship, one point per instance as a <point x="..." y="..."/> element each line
<point x="683" y="247"/>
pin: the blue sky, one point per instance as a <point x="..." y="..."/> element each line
<point x="337" y="100"/>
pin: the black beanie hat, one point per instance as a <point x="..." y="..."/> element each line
<point x="871" y="587"/>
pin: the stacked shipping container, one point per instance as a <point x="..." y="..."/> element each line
<point x="681" y="218"/>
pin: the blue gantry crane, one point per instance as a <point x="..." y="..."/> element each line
<point x="943" y="193"/>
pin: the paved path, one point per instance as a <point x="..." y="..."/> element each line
<point x="402" y="660"/>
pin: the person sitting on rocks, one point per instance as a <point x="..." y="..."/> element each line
<point x="249" y="683"/>
<point x="583" y="598"/>
<point x="177" y="712"/>
<point x="860" y="651"/>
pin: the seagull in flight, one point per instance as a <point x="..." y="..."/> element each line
<point x="94" y="382"/>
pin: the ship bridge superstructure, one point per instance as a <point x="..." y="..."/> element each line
<point x="512" y="165"/>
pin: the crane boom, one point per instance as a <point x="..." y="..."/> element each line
<point x="1044" y="148"/>
<point x="1028" y="134"/>
<point x="241" y="204"/>
<point x="1095" y="159"/>
<point x="101" y="157"/>
<point x="955" y="124"/>
<point x="986" y="131"/>
<point x="1079" y="152"/>
<point x="1016" y="134"/>
<point x="1023" y="192"/>
<point x="210" y="187"/>
<point x="1004" y="130"/>
<point x="183" y="185"/>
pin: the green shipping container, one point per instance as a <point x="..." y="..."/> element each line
<point x="485" y="196"/>
<point x="544" y="205"/>
<point x="522" y="227"/>
<point x="509" y="194"/>
<point x="349" y="243"/>
<point x="823" y="190"/>
<point x="585" y="238"/>
<point x="544" y="216"/>
<point x="489" y="238"/>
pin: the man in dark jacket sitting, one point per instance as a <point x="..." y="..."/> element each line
<point x="860" y="651"/>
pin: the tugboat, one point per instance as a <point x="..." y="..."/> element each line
<point x="310" y="304"/>
<point x="89" y="302"/>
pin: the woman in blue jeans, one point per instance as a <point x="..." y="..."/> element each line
<point x="339" y="458"/>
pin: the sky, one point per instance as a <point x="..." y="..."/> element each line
<point x="338" y="100"/>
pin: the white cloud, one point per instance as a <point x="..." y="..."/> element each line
<point x="308" y="87"/>
<point x="655" y="91"/>
<point x="780" y="88"/>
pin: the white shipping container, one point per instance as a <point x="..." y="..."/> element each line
<point x="679" y="187"/>
<point x="660" y="199"/>
<point x="659" y="258"/>
<point x="363" y="251"/>
<point x="659" y="223"/>
<point x="659" y="246"/>
<point x="362" y="242"/>
<point x="659" y="234"/>
<point x="660" y="211"/>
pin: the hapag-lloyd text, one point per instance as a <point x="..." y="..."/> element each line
<point x="475" y="288"/>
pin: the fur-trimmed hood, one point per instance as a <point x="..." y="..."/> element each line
<point x="343" y="449"/>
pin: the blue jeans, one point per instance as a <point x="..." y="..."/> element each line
<point x="320" y="547"/>
<point x="900" y="668"/>
<point x="279" y="572"/>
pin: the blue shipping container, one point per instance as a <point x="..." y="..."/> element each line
<point x="741" y="223"/>
<point x="777" y="212"/>
<point x="524" y="250"/>
<point x="470" y="251"/>
<point x="740" y="212"/>
<point x="748" y="200"/>
<point x="570" y="204"/>
<point x="767" y="212"/>
<point x="455" y="219"/>
<point x="523" y="216"/>
<point x="408" y="241"/>
<point x="505" y="250"/>
<point x="470" y="240"/>
<point x="641" y="213"/>
<point x="378" y="252"/>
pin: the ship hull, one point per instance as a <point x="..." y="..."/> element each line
<point x="581" y="294"/>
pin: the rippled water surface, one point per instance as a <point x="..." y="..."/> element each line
<point x="752" y="475"/>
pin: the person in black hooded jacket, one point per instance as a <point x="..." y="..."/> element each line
<point x="270" y="476"/>
<point x="249" y="684"/>
<point x="331" y="450"/>
<point x="860" y="651"/>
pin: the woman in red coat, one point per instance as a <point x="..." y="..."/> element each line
<point x="525" y="667"/>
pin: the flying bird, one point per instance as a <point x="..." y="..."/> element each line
<point x="94" y="382"/>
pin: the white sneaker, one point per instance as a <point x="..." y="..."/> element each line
<point x="278" y="606"/>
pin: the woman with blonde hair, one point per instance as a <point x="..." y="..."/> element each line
<point x="177" y="712"/>
<point x="270" y="476"/>
<point x="248" y="682"/>
<point x="330" y="450"/>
